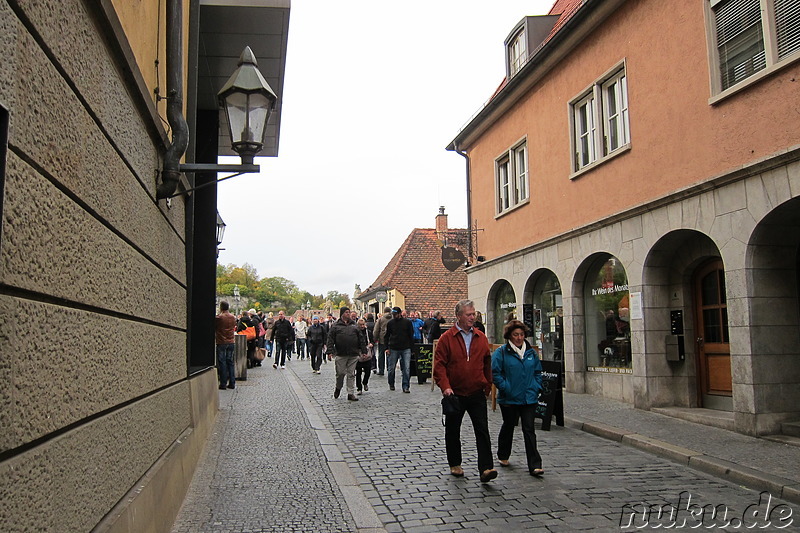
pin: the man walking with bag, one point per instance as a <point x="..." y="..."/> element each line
<point x="346" y="344"/>
<point x="462" y="367"/>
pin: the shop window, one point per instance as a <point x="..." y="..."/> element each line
<point x="607" y="314"/>
<point x="548" y="318"/>
<point x="504" y="309"/>
<point x="749" y="36"/>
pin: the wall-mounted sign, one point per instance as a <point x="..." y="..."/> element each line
<point x="636" y="306"/>
<point x="452" y="258"/>
<point x="381" y="296"/>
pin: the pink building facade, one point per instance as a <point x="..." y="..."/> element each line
<point x="636" y="180"/>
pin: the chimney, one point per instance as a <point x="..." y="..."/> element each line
<point x="441" y="221"/>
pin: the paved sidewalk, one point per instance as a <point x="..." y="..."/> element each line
<point x="286" y="456"/>
<point x="271" y="465"/>
<point x="753" y="462"/>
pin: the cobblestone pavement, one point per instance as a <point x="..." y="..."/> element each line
<point x="263" y="469"/>
<point x="393" y="444"/>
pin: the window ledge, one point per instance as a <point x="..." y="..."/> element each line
<point x="513" y="208"/>
<point x="591" y="166"/>
<point x="755" y="78"/>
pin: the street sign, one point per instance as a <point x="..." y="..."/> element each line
<point x="381" y="296"/>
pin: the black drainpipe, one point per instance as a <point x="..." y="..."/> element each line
<point x="469" y="199"/>
<point x="171" y="174"/>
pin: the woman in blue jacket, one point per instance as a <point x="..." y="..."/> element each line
<point x="517" y="374"/>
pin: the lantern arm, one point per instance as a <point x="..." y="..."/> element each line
<point x="238" y="169"/>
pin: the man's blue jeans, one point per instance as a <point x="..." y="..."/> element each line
<point x="225" y="365"/>
<point x="381" y="356"/>
<point x="405" y="366"/>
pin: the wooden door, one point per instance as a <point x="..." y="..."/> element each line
<point x="713" y="344"/>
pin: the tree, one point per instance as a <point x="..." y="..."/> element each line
<point x="271" y="293"/>
<point x="338" y="298"/>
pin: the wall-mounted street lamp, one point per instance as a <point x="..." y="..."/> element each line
<point x="248" y="101"/>
<point x="220" y="232"/>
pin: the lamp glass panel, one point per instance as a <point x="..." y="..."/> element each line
<point x="236" y="109"/>
<point x="259" y="113"/>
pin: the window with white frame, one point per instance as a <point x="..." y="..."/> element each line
<point x="752" y="35"/>
<point x="517" y="53"/>
<point x="512" y="177"/>
<point x="600" y="124"/>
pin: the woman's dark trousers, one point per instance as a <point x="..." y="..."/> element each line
<point x="366" y="368"/>
<point x="512" y="413"/>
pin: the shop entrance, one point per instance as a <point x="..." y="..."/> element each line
<point x="715" y="384"/>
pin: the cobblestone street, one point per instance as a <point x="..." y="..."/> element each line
<point x="276" y="462"/>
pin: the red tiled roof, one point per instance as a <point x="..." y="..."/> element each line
<point x="565" y="8"/>
<point x="417" y="271"/>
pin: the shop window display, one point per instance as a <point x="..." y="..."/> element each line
<point x="548" y="318"/>
<point x="505" y="309"/>
<point x="607" y="311"/>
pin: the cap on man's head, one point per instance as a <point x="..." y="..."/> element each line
<point x="343" y="310"/>
<point x="396" y="310"/>
<point x="315" y="318"/>
<point x="252" y="311"/>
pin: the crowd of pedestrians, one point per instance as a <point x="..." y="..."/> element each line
<point x="464" y="367"/>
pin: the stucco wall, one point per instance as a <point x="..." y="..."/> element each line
<point x="677" y="137"/>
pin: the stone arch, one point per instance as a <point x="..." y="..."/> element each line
<point x="767" y="323"/>
<point x="667" y="286"/>
<point x="610" y="381"/>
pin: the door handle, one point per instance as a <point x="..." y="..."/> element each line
<point x="700" y="341"/>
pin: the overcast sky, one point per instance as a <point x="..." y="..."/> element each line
<point x="374" y="91"/>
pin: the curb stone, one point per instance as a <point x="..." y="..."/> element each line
<point x="747" y="477"/>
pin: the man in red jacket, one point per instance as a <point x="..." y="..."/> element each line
<point x="462" y="366"/>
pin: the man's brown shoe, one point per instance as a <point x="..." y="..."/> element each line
<point x="457" y="471"/>
<point x="488" y="475"/>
